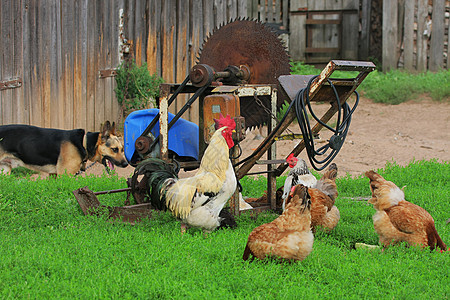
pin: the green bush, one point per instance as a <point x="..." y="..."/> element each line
<point x="136" y="88"/>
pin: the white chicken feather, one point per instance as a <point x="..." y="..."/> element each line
<point x="299" y="174"/>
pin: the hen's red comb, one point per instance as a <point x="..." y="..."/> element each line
<point x="291" y="160"/>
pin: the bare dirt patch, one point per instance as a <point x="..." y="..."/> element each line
<point x="379" y="133"/>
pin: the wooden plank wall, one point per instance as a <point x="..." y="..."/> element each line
<point x="176" y="32"/>
<point x="53" y="51"/>
<point x="417" y="31"/>
<point x="57" y="49"/>
<point x="269" y="11"/>
<point x="345" y="36"/>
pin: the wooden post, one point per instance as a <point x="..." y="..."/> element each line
<point x="437" y="37"/>
<point x="349" y="30"/>
<point x="365" y="30"/>
<point x="163" y="128"/>
<point x="271" y="154"/>
<point x="408" y="36"/>
<point x="448" y="46"/>
<point x="285" y="13"/>
<point x="390" y="23"/>
<point x="235" y="199"/>
<point x="422" y="40"/>
<point x="297" y="39"/>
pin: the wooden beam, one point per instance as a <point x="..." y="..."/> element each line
<point x="321" y="50"/>
<point x="365" y="30"/>
<point x="389" y="40"/>
<point x="408" y="36"/>
<point x="436" y="62"/>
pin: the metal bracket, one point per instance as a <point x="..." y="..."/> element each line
<point x="10" y="84"/>
<point x="107" y="73"/>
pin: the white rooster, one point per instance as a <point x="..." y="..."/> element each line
<point x="199" y="199"/>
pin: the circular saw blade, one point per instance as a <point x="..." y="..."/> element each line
<point x="250" y="43"/>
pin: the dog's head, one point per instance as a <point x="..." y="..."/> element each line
<point x="110" y="147"/>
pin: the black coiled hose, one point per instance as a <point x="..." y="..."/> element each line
<point x="329" y="151"/>
<point x="301" y="103"/>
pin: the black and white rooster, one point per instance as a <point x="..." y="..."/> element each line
<point x="299" y="174"/>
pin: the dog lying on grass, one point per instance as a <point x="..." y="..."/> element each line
<point x="57" y="151"/>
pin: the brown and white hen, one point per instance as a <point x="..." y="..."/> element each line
<point x="397" y="220"/>
<point x="289" y="236"/>
<point x="299" y="174"/>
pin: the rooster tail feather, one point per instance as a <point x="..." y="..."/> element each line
<point x="160" y="176"/>
<point x="179" y="196"/>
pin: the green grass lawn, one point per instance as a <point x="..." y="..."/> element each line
<point x="49" y="249"/>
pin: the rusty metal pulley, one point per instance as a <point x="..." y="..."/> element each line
<point x="142" y="144"/>
<point x="202" y="74"/>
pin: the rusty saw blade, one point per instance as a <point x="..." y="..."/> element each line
<point x="250" y="43"/>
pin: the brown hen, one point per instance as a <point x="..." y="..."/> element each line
<point x="397" y="220"/>
<point x="289" y="236"/>
<point x="324" y="213"/>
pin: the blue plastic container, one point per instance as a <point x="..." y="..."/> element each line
<point x="183" y="136"/>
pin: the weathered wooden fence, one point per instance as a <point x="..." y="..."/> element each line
<point x="57" y="60"/>
<point x="57" y="57"/>
<point x="416" y="34"/>
<point x="175" y="35"/>
<point x="272" y="11"/>
<point x="54" y="51"/>
<point x="321" y="30"/>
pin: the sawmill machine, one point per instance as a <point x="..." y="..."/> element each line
<point x="237" y="74"/>
<point x="243" y="71"/>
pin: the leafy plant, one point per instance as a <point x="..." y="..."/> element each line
<point x="136" y="88"/>
<point x="22" y="172"/>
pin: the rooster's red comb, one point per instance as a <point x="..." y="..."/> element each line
<point x="225" y="121"/>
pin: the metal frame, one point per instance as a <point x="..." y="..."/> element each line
<point x="320" y="90"/>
